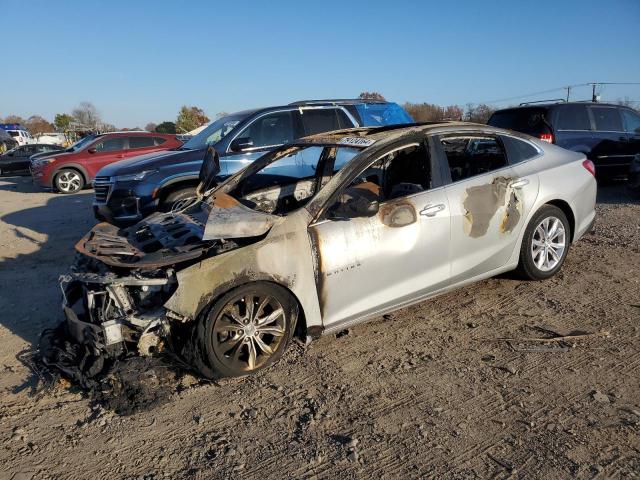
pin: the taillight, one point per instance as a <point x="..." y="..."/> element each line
<point x="547" y="137"/>
<point x="588" y="164"/>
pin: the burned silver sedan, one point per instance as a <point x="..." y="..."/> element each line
<point x="324" y="233"/>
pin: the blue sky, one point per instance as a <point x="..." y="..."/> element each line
<point x="140" y="61"/>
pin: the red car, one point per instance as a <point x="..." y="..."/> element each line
<point x="69" y="171"/>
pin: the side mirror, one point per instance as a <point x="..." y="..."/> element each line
<point x="355" y="207"/>
<point x="240" y="144"/>
<point x="92" y="150"/>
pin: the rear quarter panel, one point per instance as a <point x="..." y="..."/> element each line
<point x="563" y="177"/>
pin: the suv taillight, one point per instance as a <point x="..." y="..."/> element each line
<point x="546" y="137"/>
<point x="588" y="164"/>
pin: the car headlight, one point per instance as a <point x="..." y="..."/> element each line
<point x="42" y="162"/>
<point x="133" y="176"/>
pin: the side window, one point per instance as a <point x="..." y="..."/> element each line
<point x="271" y="130"/>
<point x="518" y="150"/>
<point x="631" y="121"/>
<point x="469" y="156"/>
<point x="159" y="140"/>
<point x="110" y="145"/>
<point x="573" y="117"/>
<point x="402" y="172"/>
<point x="140" y="142"/>
<point x="607" y="119"/>
<point x="324" y="120"/>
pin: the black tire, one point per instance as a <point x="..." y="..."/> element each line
<point x="528" y="266"/>
<point x="68" y="181"/>
<point x="177" y="196"/>
<point x="211" y="338"/>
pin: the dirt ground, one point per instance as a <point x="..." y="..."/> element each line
<point x="430" y="391"/>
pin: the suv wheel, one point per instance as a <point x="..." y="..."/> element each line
<point x="246" y="330"/>
<point x="68" y="181"/>
<point x="178" y="199"/>
<point x="545" y="244"/>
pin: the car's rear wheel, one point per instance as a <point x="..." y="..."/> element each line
<point x="244" y="331"/>
<point x="178" y="199"/>
<point x="68" y="181"/>
<point x="545" y="244"/>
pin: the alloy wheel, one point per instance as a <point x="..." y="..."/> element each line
<point x="69" y="181"/>
<point x="548" y="244"/>
<point x="248" y="331"/>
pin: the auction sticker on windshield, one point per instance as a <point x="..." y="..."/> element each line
<point x="356" y="141"/>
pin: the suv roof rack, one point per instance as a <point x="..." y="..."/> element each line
<point x="554" y="100"/>
<point x="329" y="101"/>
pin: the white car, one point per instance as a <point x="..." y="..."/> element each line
<point x="21" y="136"/>
<point x="52" y="138"/>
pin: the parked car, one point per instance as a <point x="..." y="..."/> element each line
<point x="324" y="233"/>
<point x="19" y="133"/>
<point x="609" y="135"/>
<point x="19" y="158"/>
<point x="6" y="141"/>
<point x="52" y="138"/>
<point x="72" y="169"/>
<point x="131" y="190"/>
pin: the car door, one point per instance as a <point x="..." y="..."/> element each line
<point x="105" y="151"/>
<point x="139" y="145"/>
<point x="265" y="132"/>
<point x="632" y="127"/>
<point x="486" y="201"/>
<point x="21" y="159"/>
<point x="369" y="264"/>
<point x="611" y="146"/>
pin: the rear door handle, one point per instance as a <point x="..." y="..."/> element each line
<point x="521" y="182"/>
<point x="431" y="210"/>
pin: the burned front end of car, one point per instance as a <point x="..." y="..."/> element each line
<point x="114" y="296"/>
<point x="113" y="313"/>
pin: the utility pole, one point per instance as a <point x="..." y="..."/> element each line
<point x="593" y="92"/>
<point x="568" y="92"/>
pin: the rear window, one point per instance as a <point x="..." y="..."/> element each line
<point x="525" y="120"/>
<point x="159" y="140"/>
<point x="518" y="150"/>
<point x="607" y="119"/>
<point x="573" y="117"/>
<point x="140" y="142"/>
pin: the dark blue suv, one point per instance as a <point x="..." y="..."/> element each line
<point x="128" y="191"/>
<point x="609" y="135"/>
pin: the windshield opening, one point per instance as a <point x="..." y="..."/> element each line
<point x="290" y="178"/>
<point x="214" y="132"/>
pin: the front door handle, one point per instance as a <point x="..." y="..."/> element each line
<point x="431" y="210"/>
<point x="521" y="182"/>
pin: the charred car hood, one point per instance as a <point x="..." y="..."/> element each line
<point x="164" y="239"/>
<point x="228" y="218"/>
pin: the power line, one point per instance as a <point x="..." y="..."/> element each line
<point x="551" y="90"/>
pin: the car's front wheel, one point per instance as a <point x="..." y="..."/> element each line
<point x="68" y="181"/>
<point x="545" y="244"/>
<point x="244" y="331"/>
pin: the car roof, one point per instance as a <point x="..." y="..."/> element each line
<point x="337" y="101"/>
<point x="556" y="105"/>
<point x="350" y="136"/>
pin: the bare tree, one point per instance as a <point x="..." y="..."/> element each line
<point x="478" y="113"/>
<point x="429" y="112"/>
<point x="87" y="114"/>
<point x="151" y="127"/>
<point x="375" y="96"/>
<point x="36" y="124"/>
